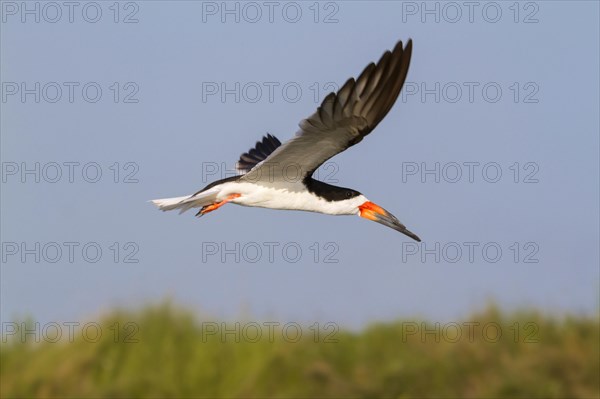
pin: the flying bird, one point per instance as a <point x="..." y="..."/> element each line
<point x="279" y="176"/>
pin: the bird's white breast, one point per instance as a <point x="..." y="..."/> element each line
<point x="291" y="196"/>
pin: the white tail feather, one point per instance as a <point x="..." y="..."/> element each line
<point x="167" y="204"/>
<point x="186" y="202"/>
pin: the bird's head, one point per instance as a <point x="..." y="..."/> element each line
<point x="345" y="201"/>
<point x="371" y="211"/>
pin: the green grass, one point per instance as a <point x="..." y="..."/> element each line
<point x="174" y="357"/>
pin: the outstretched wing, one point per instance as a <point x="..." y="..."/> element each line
<point x="256" y="155"/>
<point x="343" y="119"/>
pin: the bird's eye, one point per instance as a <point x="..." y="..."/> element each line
<point x="348" y="194"/>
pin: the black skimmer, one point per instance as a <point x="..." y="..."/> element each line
<point x="279" y="176"/>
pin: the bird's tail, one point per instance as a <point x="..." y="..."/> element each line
<point x="186" y="202"/>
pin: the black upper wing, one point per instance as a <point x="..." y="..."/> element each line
<point x="343" y="119"/>
<point x="259" y="153"/>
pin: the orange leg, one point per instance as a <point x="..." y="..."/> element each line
<point x="217" y="205"/>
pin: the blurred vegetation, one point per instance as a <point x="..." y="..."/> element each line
<point x="163" y="351"/>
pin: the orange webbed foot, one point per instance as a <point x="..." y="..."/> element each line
<point x="209" y="208"/>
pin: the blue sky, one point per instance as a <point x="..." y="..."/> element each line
<point x="161" y="106"/>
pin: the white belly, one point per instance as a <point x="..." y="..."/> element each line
<point x="292" y="197"/>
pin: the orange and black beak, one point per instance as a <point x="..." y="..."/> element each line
<point x="374" y="212"/>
